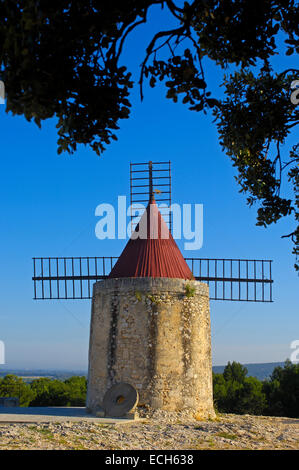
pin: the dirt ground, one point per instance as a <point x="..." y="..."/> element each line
<point x="160" y="431"/>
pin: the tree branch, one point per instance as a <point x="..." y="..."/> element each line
<point x="290" y="235"/>
<point x="188" y="11"/>
<point x="133" y="26"/>
<point x="287" y="71"/>
<point x="173" y="8"/>
<point x="150" y="49"/>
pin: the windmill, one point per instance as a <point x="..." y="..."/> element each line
<point x="229" y="279"/>
<point x="150" y="325"/>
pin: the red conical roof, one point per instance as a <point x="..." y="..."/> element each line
<point x="154" y="253"/>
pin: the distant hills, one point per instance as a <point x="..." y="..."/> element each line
<point x="260" y="371"/>
<point x="30" y="374"/>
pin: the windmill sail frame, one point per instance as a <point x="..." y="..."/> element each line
<point x="228" y="279"/>
<point x="146" y="178"/>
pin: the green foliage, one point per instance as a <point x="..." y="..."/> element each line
<point x="262" y="104"/>
<point x="235" y="372"/>
<point x="278" y="396"/>
<point x="76" y="388"/>
<point x="236" y="393"/>
<point x="252" y="399"/>
<point x="64" y="59"/>
<point x="13" y="386"/>
<point x="282" y="391"/>
<point x="48" y="392"/>
<point x="45" y="391"/>
<point x="190" y="290"/>
<point x="154" y="299"/>
<point x="138" y="295"/>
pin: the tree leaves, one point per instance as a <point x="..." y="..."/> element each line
<point x="64" y="59"/>
<point x="254" y="121"/>
<point x="182" y="77"/>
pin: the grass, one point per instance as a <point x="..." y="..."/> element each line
<point x="189" y="290"/>
<point x="211" y="443"/>
<point x="262" y="439"/>
<point x="138" y="295"/>
<point x="227" y="435"/>
<point x="64" y="442"/>
<point x="46" y="433"/>
<point x="32" y="428"/>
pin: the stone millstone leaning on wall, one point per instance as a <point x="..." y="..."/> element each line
<point x="153" y="333"/>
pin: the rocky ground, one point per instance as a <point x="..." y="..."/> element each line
<point x="160" y="431"/>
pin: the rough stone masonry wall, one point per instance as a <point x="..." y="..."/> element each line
<point x="153" y="333"/>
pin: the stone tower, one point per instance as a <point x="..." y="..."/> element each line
<point x="150" y="326"/>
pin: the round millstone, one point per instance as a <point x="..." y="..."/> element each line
<point x="120" y="399"/>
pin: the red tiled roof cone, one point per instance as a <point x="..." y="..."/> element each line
<point x="155" y="254"/>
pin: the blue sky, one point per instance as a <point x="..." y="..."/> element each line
<point x="48" y="209"/>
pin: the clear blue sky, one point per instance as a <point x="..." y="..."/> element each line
<point x="47" y="209"/>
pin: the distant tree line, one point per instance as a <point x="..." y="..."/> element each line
<point x="45" y="391"/>
<point x="234" y="392"/>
